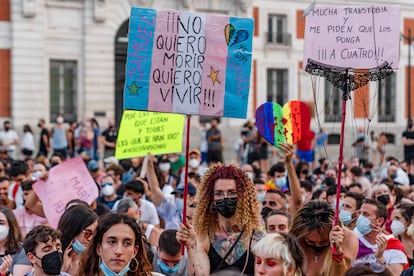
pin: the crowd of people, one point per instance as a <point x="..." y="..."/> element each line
<point x="250" y="218"/>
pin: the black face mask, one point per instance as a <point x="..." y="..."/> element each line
<point x="226" y="207"/>
<point x="52" y="263"/>
<point x="384" y="199"/>
<point x="265" y="211"/>
<point x="318" y="249"/>
<point x="305" y="172"/>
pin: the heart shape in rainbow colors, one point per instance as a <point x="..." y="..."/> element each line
<point x="283" y="125"/>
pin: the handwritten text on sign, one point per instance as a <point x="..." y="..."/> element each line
<point x="67" y="181"/>
<point x="188" y="63"/>
<point x="142" y="132"/>
<point x="358" y="37"/>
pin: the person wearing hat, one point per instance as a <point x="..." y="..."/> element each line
<point x="170" y="211"/>
<point x="194" y="164"/>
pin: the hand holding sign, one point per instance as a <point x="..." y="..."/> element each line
<point x="283" y="125"/>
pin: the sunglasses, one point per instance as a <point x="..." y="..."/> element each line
<point x="87" y="233"/>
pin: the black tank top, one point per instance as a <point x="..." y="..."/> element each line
<point x="216" y="259"/>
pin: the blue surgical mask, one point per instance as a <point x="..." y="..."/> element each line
<point x="346" y="217"/>
<point x="179" y="204"/>
<point x="108" y="272"/>
<point x="281" y="182"/>
<point x="334" y="204"/>
<point x="260" y="196"/>
<point x="363" y="225"/>
<point x="78" y="247"/>
<point x="166" y="269"/>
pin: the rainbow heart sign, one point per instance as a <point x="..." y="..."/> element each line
<point x="283" y="125"/>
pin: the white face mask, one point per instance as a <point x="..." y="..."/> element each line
<point x="250" y="175"/>
<point x="59" y="120"/>
<point x="397" y="228"/>
<point x="194" y="163"/>
<point x="4" y="232"/>
<point x="165" y="167"/>
<point x="108" y="190"/>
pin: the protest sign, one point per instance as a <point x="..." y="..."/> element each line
<point x="143" y="132"/>
<point x="358" y="37"/>
<point x="66" y="181"/>
<point x="188" y="63"/>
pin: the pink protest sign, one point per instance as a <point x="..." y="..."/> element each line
<point x="357" y="37"/>
<point x="67" y="181"/>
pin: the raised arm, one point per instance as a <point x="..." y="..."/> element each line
<point x="156" y="193"/>
<point x="294" y="184"/>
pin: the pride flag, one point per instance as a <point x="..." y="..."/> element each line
<point x="287" y="124"/>
<point x="188" y="63"/>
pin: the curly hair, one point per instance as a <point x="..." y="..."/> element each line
<point x="89" y="265"/>
<point x="247" y="213"/>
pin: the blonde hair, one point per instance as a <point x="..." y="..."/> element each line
<point x="247" y="214"/>
<point x="378" y="187"/>
<point x="281" y="246"/>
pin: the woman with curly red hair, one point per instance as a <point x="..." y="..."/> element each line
<point x="226" y="223"/>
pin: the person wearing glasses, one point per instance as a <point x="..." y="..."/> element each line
<point x="226" y="223"/>
<point x="77" y="225"/>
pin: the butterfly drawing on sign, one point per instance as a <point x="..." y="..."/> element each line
<point x="234" y="36"/>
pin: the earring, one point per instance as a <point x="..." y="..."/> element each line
<point x="131" y="265"/>
<point x="213" y="209"/>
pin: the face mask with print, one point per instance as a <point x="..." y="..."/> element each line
<point x="397" y="227"/>
<point x="280" y="181"/>
<point x="108" y="190"/>
<point x="363" y="225"/>
<point x="4" y="232"/>
<point x="194" y="163"/>
<point x="166" y="269"/>
<point x="165" y="167"/>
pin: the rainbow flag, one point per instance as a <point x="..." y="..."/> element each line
<point x="188" y="63"/>
<point x="287" y="124"/>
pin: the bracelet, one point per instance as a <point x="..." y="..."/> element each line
<point x="338" y="257"/>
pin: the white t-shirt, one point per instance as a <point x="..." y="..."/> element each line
<point x="9" y="137"/>
<point x="149" y="212"/>
<point x="391" y="256"/>
<point x="18" y="199"/>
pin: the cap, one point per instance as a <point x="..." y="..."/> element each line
<point x="180" y="189"/>
<point x="93" y="166"/>
<point x="111" y="160"/>
<point x="194" y="151"/>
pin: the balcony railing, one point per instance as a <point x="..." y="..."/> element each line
<point x="279" y="38"/>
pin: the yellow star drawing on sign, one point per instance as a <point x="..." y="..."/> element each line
<point x="133" y="88"/>
<point x="214" y="75"/>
